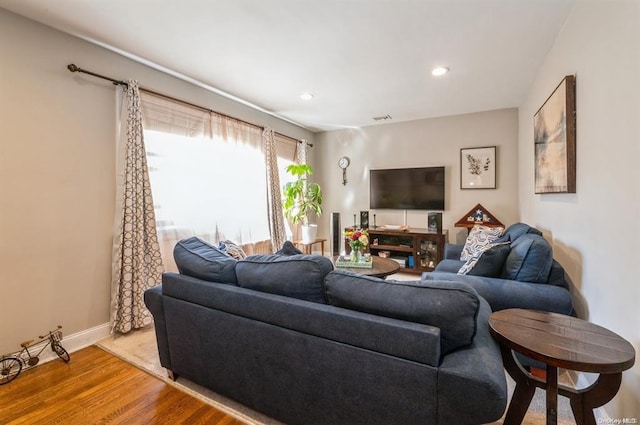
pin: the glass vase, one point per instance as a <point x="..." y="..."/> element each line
<point x="355" y="254"/>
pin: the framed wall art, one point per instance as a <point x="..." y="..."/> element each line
<point x="478" y="168"/>
<point x="554" y="135"/>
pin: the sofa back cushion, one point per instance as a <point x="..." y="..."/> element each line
<point x="516" y="230"/>
<point x="451" y="306"/>
<point x="529" y="260"/>
<point x="197" y="258"/>
<point x="557" y="276"/>
<point x="298" y="276"/>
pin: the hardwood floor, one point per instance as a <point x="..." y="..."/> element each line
<point x="98" y="388"/>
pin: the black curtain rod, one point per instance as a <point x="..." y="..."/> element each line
<point x="74" y="68"/>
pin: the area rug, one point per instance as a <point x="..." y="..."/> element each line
<point x="139" y="349"/>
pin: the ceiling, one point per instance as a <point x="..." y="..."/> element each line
<point x="359" y="58"/>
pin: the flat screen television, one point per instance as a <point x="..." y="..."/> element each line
<point x="407" y="189"/>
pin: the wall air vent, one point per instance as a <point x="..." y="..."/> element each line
<point x="382" y="118"/>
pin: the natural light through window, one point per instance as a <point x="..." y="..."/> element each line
<point x="209" y="188"/>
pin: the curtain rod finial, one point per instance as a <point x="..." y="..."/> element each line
<point x="73" y="67"/>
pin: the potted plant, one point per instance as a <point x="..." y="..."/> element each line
<point x="301" y="197"/>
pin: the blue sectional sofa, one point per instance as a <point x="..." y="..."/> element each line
<point x="524" y="276"/>
<point x="288" y="336"/>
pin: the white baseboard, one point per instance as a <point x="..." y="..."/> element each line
<point x="78" y="341"/>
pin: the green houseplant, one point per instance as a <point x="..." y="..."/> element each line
<point x="300" y="198"/>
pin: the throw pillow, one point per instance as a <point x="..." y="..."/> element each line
<point x="451" y="306"/>
<point x="232" y="249"/>
<point x="488" y="261"/>
<point x="288" y="248"/>
<point x="195" y="257"/>
<point x="479" y="237"/>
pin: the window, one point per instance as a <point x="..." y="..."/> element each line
<point x="209" y="182"/>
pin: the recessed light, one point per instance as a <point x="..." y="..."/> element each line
<point x="306" y="96"/>
<point x="439" y="71"/>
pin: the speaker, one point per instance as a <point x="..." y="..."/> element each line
<point x="364" y="219"/>
<point x="434" y="222"/>
<point x="337" y="237"/>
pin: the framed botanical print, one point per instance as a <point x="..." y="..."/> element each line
<point x="478" y="168"/>
<point x="554" y="136"/>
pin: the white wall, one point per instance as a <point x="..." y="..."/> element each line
<point x="429" y="142"/>
<point x="57" y="144"/>
<point x="595" y="232"/>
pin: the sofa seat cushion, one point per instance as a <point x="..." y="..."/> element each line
<point x="479" y="237"/>
<point x="197" y="258"/>
<point x="450" y="306"/>
<point x="299" y="276"/>
<point x="529" y="260"/>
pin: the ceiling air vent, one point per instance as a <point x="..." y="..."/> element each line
<point x="382" y="118"/>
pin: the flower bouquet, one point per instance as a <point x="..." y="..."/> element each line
<point x="358" y="241"/>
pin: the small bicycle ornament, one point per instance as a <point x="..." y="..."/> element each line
<point x="11" y="365"/>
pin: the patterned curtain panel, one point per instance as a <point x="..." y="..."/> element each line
<point x="137" y="263"/>
<point x="274" y="196"/>
<point x="301" y="152"/>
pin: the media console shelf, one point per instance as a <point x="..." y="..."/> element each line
<point x="416" y="250"/>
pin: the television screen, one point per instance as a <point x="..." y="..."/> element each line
<point x="407" y="189"/>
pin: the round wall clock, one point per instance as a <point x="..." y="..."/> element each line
<point x="344" y="163"/>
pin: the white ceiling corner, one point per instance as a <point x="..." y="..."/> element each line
<point x="359" y="58"/>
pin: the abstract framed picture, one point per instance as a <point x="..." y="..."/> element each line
<point x="554" y="135"/>
<point x="478" y="168"/>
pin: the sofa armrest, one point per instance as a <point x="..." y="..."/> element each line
<point x="452" y="251"/>
<point x="153" y="301"/>
<point x="449" y="265"/>
<point x="504" y="293"/>
<point x="473" y="379"/>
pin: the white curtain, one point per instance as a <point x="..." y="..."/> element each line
<point x="136" y="263"/>
<point x="208" y="177"/>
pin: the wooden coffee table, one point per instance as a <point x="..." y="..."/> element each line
<point x="382" y="267"/>
<point x="561" y="342"/>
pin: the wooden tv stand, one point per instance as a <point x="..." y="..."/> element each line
<point x="417" y="250"/>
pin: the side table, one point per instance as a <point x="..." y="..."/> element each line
<point x="560" y="342"/>
<point x="306" y="246"/>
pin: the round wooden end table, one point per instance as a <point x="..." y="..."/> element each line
<point x="565" y="342"/>
<point x="382" y="267"/>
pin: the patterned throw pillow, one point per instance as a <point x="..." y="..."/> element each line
<point x="479" y="237"/>
<point x="232" y="249"/>
<point x="488" y="262"/>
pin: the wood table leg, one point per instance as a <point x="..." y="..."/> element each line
<point x="552" y="395"/>
<point x="524" y="391"/>
<point x="584" y="400"/>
